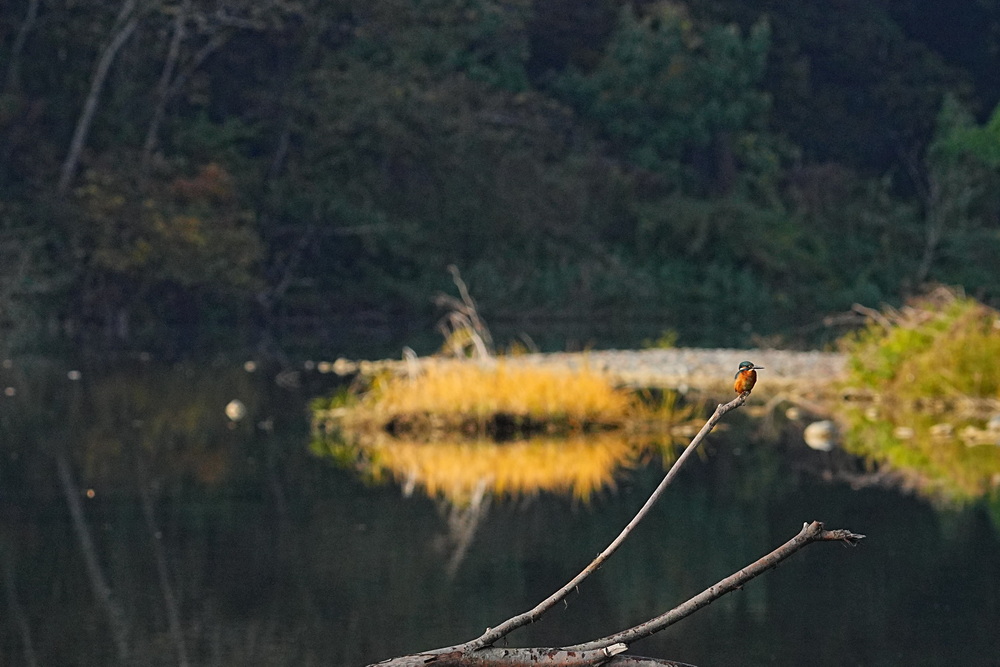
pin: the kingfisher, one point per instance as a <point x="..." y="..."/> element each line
<point x="746" y="377"/>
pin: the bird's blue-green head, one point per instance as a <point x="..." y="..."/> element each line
<point x="748" y="366"/>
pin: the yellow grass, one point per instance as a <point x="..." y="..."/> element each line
<point x="464" y="390"/>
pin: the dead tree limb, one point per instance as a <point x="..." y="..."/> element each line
<point x="475" y="652"/>
<point x="482" y="652"/>
<point x="608" y="651"/>
<point x="811" y="532"/>
<point x="463" y="315"/>
<point x="511" y="624"/>
<point x="453" y="656"/>
<point x="125" y="25"/>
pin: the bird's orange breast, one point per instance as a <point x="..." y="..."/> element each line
<point x="745" y="381"/>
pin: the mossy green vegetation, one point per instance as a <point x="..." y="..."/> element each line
<point x="930" y="377"/>
<point x="942" y="346"/>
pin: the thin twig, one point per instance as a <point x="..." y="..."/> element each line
<point x="511" y="624"/>
<point x="811" y="532"/>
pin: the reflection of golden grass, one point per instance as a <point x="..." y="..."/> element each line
<point x="460" y="392"/>
<point x="580" y="466"/>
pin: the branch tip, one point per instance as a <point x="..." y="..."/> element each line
<point x="847" y="537"/>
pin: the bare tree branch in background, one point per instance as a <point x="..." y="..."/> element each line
<point x="13" y="80"/>
<point x="165" y="84"/>
<point x="125" y="25"/>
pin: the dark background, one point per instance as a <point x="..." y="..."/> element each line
<point x="267" y="174"/>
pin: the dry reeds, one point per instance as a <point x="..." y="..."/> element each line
<point x="473" y="397"/>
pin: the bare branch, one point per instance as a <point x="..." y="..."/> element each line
<point x="14" y="62"/>
<point x="463" y="317"/>
<point x="163" y="87"/>
<point x="481" y="652"/>
<point x="98" y="582"/>
<point x="641" y="661"/>
<point x="811" y="532"/>
<point x="454" y="656"/>
<point x="511" y="624"/>
<point x="125" y="25"/>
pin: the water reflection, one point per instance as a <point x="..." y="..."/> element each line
<point x="944" y="451"/>
<point x="230" y="543"/>
<point x="459" y="470"/>
<point x="465" y="475"/>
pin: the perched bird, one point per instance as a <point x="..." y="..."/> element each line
<point x="746" y="377"/>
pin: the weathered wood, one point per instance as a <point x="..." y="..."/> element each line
<point x="507" y="657"/>
<point x="511" y="624"/>
<point x="811" y="532"/>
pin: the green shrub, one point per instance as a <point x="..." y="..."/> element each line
<point x="944" y="345"/>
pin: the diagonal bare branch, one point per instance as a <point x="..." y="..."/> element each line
<point x="811" y="532"/>
<point x="511" y="624"/>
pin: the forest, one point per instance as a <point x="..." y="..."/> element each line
<point x="180" y="174"/>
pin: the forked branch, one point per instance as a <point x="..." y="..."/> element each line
<point x="511" y="624"/>
<point x="609" y="651"/>
<point x="481" y="652"/>
<point x="811" y="532"/>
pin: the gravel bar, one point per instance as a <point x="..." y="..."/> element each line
<point x="684" y="369"/>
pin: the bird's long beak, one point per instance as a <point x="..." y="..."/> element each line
<point x="758" y="368"/>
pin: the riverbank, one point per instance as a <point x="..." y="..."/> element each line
<point x="683" y="369"/>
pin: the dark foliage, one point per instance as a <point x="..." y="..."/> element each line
<point x="272" y="171"/>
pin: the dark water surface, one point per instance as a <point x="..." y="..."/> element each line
<point x="139" y="525"/>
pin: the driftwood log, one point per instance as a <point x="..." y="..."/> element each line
<point x="610" y="650"/>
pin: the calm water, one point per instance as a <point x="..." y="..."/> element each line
<point x="140" y="525"/>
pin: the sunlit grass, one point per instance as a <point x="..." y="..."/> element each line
<point x="943" y="346"/>
<point x="472" y="396"/>
<point x="461" y="427"/>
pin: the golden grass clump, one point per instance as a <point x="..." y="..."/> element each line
<point x="457" y="393"/>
